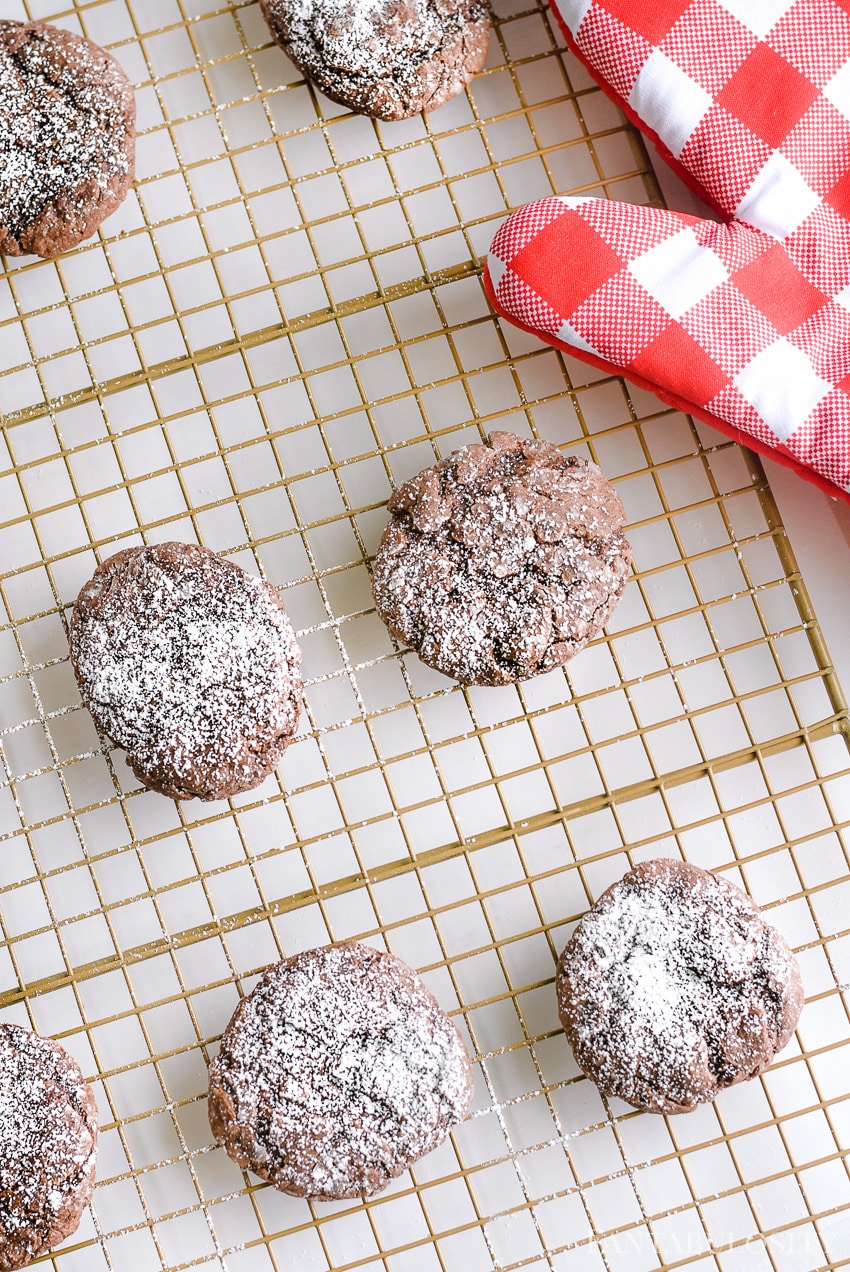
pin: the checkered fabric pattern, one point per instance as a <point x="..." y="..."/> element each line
<point x="744" y="322"/>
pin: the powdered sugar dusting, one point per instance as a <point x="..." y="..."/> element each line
<point x="387" y="58"/>
<point x="66" y="136"/>
<point x="190" y="664"/>
<point x="673" y="987"/>
<point x="336" y="1073"/>
<point x="48" y="1134"/>
<point x="502" y="561"/>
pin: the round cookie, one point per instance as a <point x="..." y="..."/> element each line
<point x="67" y="138"/>
<point x="336" y="1073"/>
<point x="386" y="58"/>
<point x="48" y="1139"/>
<point x="190" y="665"/>
<point x="502" y="561"/>
<point x="673" y="987"/>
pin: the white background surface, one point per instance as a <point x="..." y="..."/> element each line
<point x="819" y="529"/>
<point x="409" y="812"/>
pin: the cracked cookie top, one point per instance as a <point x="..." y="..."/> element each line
<point x="673" y="987"/>
<point x="67" y="138"/>
<point x="191" y="665"/>
<point x="336" y="1073"/>
<point x="502" y="561"/>
<point x="48" y="1137"/>
<point x="386" y="58"/>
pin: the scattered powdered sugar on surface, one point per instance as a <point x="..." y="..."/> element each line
<point x="502" y="561"/>
<point x="190" y="664"/>
<point x="673" y="987"/>
<point x="337" y="1072"/>
<point x="387" y="57"/>
<point x="47" y="1144"/>
<point x="64" y="129"/>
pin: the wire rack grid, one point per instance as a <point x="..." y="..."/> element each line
<point x="284" y="320"/>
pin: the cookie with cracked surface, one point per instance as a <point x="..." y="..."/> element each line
<point x="502" y="561"/>
<point x="386" y="58"/>
<point x="336" y="1073"/>
<point x="48" y="1145"/>
<point x="673" y="987"/>
<point x="191" y="665"/>
<point x="67" y="138"/>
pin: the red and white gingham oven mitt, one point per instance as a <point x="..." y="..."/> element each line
<point x="744" y="323"/>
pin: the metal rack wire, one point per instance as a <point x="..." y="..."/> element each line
<point x="283" y="321"/>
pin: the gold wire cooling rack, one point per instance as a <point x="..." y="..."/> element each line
<point x="284" y="320"/>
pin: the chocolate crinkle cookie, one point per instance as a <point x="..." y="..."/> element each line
<point x="502" y="561"/>
<point x="67" y="138"/>
<point x="336" y="1073"/>
<point x="191" y="665"/>
<point x="673" y="987"/>
<point x="386" y="58"/>
<point x="48" y="1145"/>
